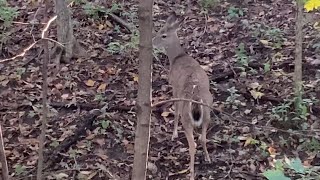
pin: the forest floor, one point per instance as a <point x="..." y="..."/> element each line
<point x="247" y="49"/>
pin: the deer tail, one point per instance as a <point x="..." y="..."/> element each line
<point x="196" y="110"/>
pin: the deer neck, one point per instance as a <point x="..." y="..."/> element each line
<point x="174" y="51"/>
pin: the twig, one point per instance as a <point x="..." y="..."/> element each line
<point x="25" y="23"/>
<point x="205" y="25"/>
<point x="5" y="171"/>
<point x="34" y="43"/>
<point x="178" y="99"/>
<point x="231" y="118"/>
<point x="34" y="18"/>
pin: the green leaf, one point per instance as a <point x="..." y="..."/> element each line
<point x="19" y="169"/>
<point x="279" y="165"/>
<point x="296" y="165"/>
<point x="105" y="124"/>
<point x="266" y="67"/>
<point x="275" y="175"/>
<point x="54" y="144"/>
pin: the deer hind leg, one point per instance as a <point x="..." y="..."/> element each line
<point x="188" y="129"/>
<point x="205" y="124"/>
<point x="177" y="116"/>
<point x="176" y="120"/>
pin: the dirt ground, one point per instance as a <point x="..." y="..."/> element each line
<point x="247" y="49"/>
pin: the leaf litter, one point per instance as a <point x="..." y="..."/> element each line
<point x="108" y="80"/>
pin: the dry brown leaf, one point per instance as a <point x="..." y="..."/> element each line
<point x="102" y="87"/>
<point x="65" y="96"/>
<point x="101" y="26"/>
<point x="272" y="150"/>
<point x="165" y="114"/>
<point x="90" y="83"/>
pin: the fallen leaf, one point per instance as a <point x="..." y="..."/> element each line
<point x="90" y="83"/>
<point x="65" y="96"/>
<point x="247" y="111"/>
<point x="108" y="23"/>
<point x="272" y="151"/>
<point x="165" y="114"/>
<point x="135" y="78"/>
<point x="85" y="172"/>
<point x="264" y="42"/>
<point x="102" y="87"/>
<point x="101" y="26"/>
<point x="256" y="94"/>
<point x="61" y="175"/>
<point x="4" y="83"/>
<point x="255" y="85"/>
<point x="248" y="141"/>
<point x="101" y="71"/>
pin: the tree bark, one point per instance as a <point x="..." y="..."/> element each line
<point x="298" y="53"/>
<point x="64" y="31"/>
<point x="5" y="171"/>
<point x="142" y="136"/>
<point x="43" y="128"/>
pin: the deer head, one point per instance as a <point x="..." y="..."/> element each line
<point x="167" y="35"/>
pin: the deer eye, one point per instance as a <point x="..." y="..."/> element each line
<point x="163" y="36"/>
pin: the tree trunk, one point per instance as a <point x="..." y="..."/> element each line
<point x="142" y="136"/>
<point x="64" y="31"/>
<point x="298" y="53"/>
<point x="65" y="35"/>
<point x="4" y="164"/>
<point x="42" y="136"/>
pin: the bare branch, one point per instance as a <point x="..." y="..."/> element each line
<point x="35" y="42"/>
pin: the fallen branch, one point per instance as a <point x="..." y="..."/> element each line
<point x="120" y="21"/>
<point x="183" y="99"/>
<point x="86" y="123"/>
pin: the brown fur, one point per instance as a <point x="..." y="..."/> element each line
<point x="188" y="81"/>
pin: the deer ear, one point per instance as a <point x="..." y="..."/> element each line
<point x="177" y="23"/>
<point x="172" y="18"/>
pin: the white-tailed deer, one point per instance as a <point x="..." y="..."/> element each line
<point x="188" y="81"/>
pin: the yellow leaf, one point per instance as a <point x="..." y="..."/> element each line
<point x="255" y="85"/>
<point x="101" y="26"/>
<point x="90" y="83"/>
<point x="248" y="142"/>
<point x="311" y="5"/>
<point x="264" y="42"/>
<point x="256" y="94"/>
<point x="165" y="114"/>
<point x="272" y="150"/>
<point x="183" y="171"/>
<point x="316" y="26"/>
<point x="135" y="78"/>
<point x="102" y="87"/>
